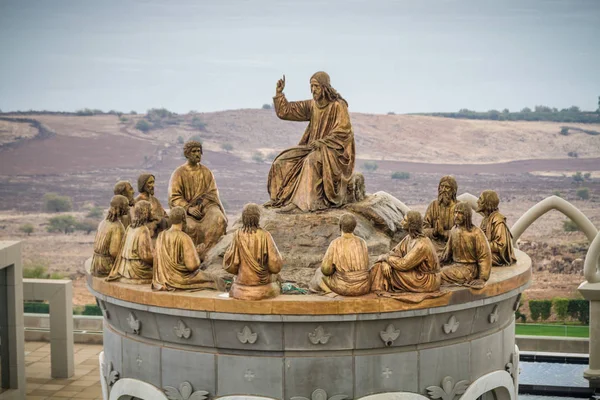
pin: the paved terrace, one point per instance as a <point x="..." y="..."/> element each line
<point x="85" y="383"/>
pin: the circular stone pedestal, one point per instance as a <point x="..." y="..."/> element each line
<point x="313" y="347"/>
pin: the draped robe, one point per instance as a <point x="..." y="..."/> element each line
<point x="314" y="179"/>
<point x="255" y="259"/>
<point x="107" y="244"/>
<point x="438" y="218"/>
<point x="195" y="186"/>
<point x="500" y="239"/>
<point x="134" y="262"/>
<point x="414" y="267"/>
<point x="345" y="267"/>
<point x="157" y="213"/>
<point x="470" y="255"/>
<point x="176" y="264"/>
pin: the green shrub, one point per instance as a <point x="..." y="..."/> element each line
<point x="391" y="113"/>
<point x="62" y="223"/>
<point x="564" y="131"/>
<point x="561" y="307"/>
<point x="87" y="225"/>
<point x="579" y="309"/>
<point x="370" y="166"/>
<point x="27" y="228"/>
<point x="36" y="308"/>
<point x="573" y="154"/>
<point x="267" y="106"/>
<point x="133" y="112"/>
<point x="577" y="177"/>
<point x="570" y="226"/>
<point x="56" y="203"/>
<point x="583" y="193"/>
<point x="400" y="175"/>
<point x="36" y="270"/>
<point x="540" y="308"/>
<point x="197" y="123"/>
<point x="258" y="157"/>
<point x="587" y="176"/>
<point x="143" y="125"/>
<point x="123" y="119"/>
<point x="227" y="147"/>
<point x="91" y="309"/>
<point x="95" y="212"/>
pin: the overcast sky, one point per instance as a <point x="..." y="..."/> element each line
<point x="402" y="56"/>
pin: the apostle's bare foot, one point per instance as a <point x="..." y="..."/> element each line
<point x="290" y="208"/>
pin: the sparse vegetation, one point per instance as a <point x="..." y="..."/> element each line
<point x="87" y="225"/>
<point x="62" y="223"/>
<point x="587" y="176"/>
<point x="258" y="157"/>
<point x="38" y="269"/>
<point x="573" y="154"/>
<point x="583" y="193"/>
<point x="53" y="202"/>
<point x="267" y="106"/>
<point x="570" y="226"/>
<point x="123" y="119"/>
<point x="400" y="175"/>
<point x="86" y="112"/>
<point x="143" y="125"/>
<point x="95" y="212"/>
<point x="198" y="124"/>
<point x="227" y="147"/>
<point x="564" y="131"/>
<point x="577" y="177"/>
<point x="133" y="112"/>
<point x="391" y="113"/>
<point x="27" y="229"/>
<point x="370" y="166"/>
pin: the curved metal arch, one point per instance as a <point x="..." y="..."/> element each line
<point x="498" y="382"/>
<point x="590" y="269"/>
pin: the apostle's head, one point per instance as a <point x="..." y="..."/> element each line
<point x="488" y="202"/>
<point x="320" y="87"/>
<point x="141" y="213"/>
<point x="146" y="184"/>
<point x="463" y="215"/>
<point x="250" y="217"/>
<point x="192" y="150"/>
<point x="119" y="205"/>
<point x="177" y="216"/>
<point x="413" y="223"/>
<point x="347" y="223"/>
<point x="447" y="190"/>
<point x="124" y="188"/>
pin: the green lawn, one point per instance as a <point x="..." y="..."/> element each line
<point x="552" y="330"/>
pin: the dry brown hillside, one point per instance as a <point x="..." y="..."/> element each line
<point x="94" y="142"/>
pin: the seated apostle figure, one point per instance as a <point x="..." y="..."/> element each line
<point x="254" y="258"/>
<point x="109" y="236"/>
<point x="158" y="216"/>
<point x="495" y="229"/>
<point x="345" y="267"/>
<point x="134" y="262"/>
<point x="124" y="188"/>
<point x="411" y="266"/>
<point x="467" y="250"/>
<point x="177" y="264"/>
<point x="439" y="217"/>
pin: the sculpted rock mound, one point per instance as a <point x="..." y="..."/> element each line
<point x="303" y="238"/>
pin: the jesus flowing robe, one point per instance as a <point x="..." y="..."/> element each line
<point x="176" y="264"/>
<point x="134" y="263"/>
<point x="470" y="255"/>
<point x="314" y="179"/>
<point x="438" y="218"/>
<point x="500" y="239"/>
<point x="345" y="267"/>
<point x="255" y="259"/>
<point x="414" y="268"/>
<point x="195" y="186"/>
<point x="107" y="244"/>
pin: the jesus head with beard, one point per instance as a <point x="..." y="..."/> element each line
<point x="447" y="190"/>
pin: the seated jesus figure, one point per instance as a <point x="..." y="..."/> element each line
<point x="177" y="264"/>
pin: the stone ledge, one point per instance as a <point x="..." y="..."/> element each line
<point x="502" y="280"/>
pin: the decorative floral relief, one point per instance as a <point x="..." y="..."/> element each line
<point x="389" y="335"/>
<point x="185" y="392"/>
<point x="319" y="336"/>
<point x="451" y="326"/>
<point x="510" y="366"/>
<point x="448" y="390"/>
<point x="247" y="336"/>
<point x="493" y="318"/>
<point x="110" y="375"/>
<point x="134" y="323"/>
<point x="320" y="394"/>
<point x="249" y="375"/>
<point x="182" y="331"/>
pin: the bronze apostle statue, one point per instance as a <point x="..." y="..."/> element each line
<point x="495" y="229"/>
<point x="345" y="267"/>
<point x="411" y="266"/>
<point x="158" y="216"/>
<point x="254" y="258"/>
<point x="439" y="217"/>
<point x="134" y="262"/>
<point x="109" y="236"/>
<point x="313" y="175"/>
<point x="467" y="250"/>
<point x="193" y="187"/>
<point x="177" y="264"/>
<point x="124" y="188"/>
